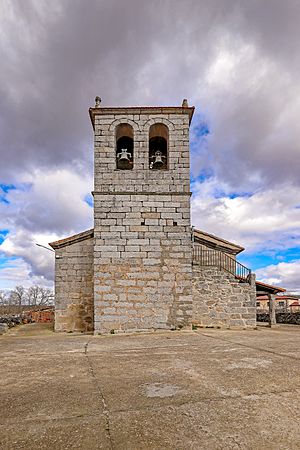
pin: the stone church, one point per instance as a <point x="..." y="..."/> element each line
<point x="142" y="267"/>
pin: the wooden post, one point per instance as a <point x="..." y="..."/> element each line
<point x="272" y="312"/>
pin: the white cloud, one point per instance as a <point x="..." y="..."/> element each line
<point x="55" y="202"/>
<point x="39" y="262"/>
<point x="266" y="219"/>
<point x="252" y="110"/>
<point x="52" y="208"/>
<point x="18" y="272"/>
<point x="284" y="274"/>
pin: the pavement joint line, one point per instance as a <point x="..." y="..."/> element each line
<point x="102" y="398"/>
<point x="284" y="355"/>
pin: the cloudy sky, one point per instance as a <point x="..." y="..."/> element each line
<point x="237" y="61"/>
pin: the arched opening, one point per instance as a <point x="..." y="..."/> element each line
<point x="158" y="146"/>
<point x="124" y="146"/>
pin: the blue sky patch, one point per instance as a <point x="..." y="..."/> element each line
<point x="4" y="190"/>
<point x="89" y="200"/>
<point x="4" y="200"/>
<point x="256" y="261"/>
<point x="200" y="125"/>
<point x="4" y="260"/>
<point x="3" y="234"/>
<point x="203" y="176"/>
<point x="265" y="257"/>
<point x="7" y="187"/>
<point x="232" y="195"/>
<point x="239" y="194"/>
<point x="201" y="129"/>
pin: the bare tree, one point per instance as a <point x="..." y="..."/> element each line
<point x="3" y="298"/>
<point x="46" y="296"/>
<point x="33" y="295"/>
<point x="38" y="296"/>
<point x="17" y="296"/>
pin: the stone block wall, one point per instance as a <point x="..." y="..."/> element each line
<point x="219" y="300"/>
<point x="142" y="257"/>
<point x="74" y="290"/>
<point x="141" y="179"/>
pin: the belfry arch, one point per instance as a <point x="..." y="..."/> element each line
<point x="158" y="146"/>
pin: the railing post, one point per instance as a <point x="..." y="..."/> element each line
<point x="222" y="261"/>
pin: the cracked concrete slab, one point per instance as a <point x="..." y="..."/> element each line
<point x="207" y="389"/>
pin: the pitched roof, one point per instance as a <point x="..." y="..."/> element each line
<point x="264" y="297"/>
<point x="216" y="242"/>
<point x="200" y="236"/>
<point x="72" y="239"/>
<point x="263" y="287"/>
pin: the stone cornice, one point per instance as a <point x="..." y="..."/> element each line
<point x="160" y="110"/>
<point x="138" y="193"/>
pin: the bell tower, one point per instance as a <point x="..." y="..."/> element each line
<point x="142" y="235"/>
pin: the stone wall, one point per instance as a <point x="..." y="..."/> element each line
<point x="292" y="318"/>
<point x="219" y="300"/>
<point x="142" y="258"/>
<point x="74" y="302"/>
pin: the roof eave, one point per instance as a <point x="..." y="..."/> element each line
<point x="269" y="288"/>
<point x="72" y="239"/>
<point x="222" y="243"/>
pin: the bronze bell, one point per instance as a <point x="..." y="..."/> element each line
<point x="124" y="159"/>
<point x="158" y="161"/>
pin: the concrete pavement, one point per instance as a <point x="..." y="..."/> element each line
<point x="204" y="389"/>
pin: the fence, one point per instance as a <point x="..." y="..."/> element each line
<point x="216" y="258"/>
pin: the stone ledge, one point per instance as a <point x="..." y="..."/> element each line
<point x="168" y="193"/>
<point x="72" y="239"/>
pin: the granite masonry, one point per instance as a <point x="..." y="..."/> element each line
<point x="142" y="253"/>
<point x="74" y="299"/>
<point x="134" y="270"/>
<point x="220" y="300"/>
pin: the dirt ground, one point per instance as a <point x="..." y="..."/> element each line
<point x="204" y="389"/>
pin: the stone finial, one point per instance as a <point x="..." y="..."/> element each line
<point x="185" y="103"/>
<point x="97" y="102"/>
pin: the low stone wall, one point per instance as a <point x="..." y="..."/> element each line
<point x="292" y="318"/>
<point x="9" y="320"/>
<point x="74" y="299"/>
<point x="43" y="316"/>
<point x="219" y="300"/>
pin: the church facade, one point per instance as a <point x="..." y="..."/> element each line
<point x="142" y="267"/>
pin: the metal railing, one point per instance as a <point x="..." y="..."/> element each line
<point x="216" y="258"/>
